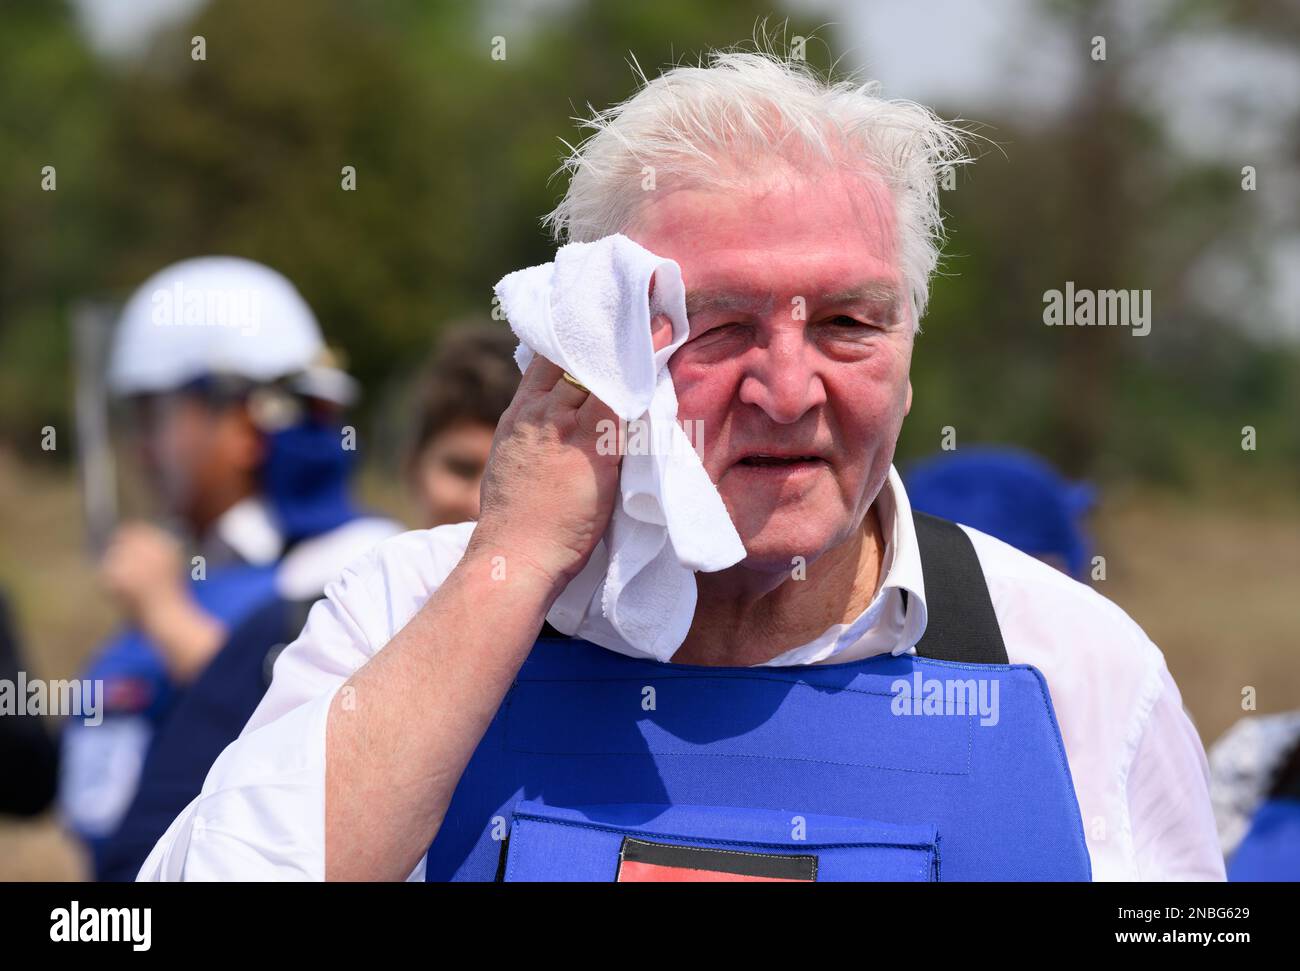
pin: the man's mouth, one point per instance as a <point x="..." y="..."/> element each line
<point x="777" y="463"/>
<point x="777" y="459"/>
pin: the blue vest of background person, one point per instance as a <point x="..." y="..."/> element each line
<point x="235" y="413"/>
<point x="565" y="770"/>
<point x="1270" y="850"/>
<point x="459" y="397"/>
<point x="1011" y="494"/>
<point x="1255" y="789"/>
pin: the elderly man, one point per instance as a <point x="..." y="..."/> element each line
<point x="420" y="727"/>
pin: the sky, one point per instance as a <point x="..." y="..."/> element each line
<point x="121" y="28"/>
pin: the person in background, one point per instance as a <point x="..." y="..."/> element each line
<point x="1255" y="788"/>
<point x="1271" y="849"/>
<point x="1011" y="494"/>
<point x="27" y="748"/>
<point x="238" y="427"/>
<point x="468" y="383"/>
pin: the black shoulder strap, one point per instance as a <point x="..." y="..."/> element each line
<point x="961" y="624"/>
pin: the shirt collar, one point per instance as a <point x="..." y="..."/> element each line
<point x="888" y="625"/>
<point x="905" y="572"/>
<point x="248" y="530"/>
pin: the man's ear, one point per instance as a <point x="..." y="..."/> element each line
<point x="907" y="408"/>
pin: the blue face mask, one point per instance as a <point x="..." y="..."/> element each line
<point x="305" y="478"/>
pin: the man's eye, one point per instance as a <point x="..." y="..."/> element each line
<point x="718" y="330"/>
<point x="851" y="323"/>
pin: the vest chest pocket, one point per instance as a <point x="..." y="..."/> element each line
<point x="684" y="843"/>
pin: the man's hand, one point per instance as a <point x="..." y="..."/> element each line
<point x="548" y="493"/>
<point x="142" y="571"/>
<point x="142" y="568"/>
<point x="407" y="722"/>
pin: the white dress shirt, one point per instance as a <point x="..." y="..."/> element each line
<point x="1138" y="766"/>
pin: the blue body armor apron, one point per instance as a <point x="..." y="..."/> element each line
<point x="947" y="765"/>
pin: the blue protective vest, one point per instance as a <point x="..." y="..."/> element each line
<point x="1271" y="849"/>
<point x="229" y="593"/>
<point x="599" y="766"/>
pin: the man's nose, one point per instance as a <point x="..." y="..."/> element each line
<point x="783" y="380"/>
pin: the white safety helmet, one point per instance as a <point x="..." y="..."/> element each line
<point x="221" y="315"/>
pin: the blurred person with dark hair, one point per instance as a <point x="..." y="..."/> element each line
<point x="463" y="392"/>
<point x="1011" y="494"/>
<point x="238" y="427"/>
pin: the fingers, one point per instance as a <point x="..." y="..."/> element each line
<point x="592" y="412"/>
<point x="661" y="325"/>
<point x="543" y="377"/>
<point x="540" y="375"/>
<point x="569" y="395"/>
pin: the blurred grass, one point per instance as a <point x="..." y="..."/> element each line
<point x="1214" y="582"/>
<point x="1211" y="578"/>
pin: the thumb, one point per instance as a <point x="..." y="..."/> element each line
<point x="661" y="325"/>
<point x="661" y="331"/>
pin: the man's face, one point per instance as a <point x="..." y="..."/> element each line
<point x="200" y="459"/>
<point x="800" y="344"/>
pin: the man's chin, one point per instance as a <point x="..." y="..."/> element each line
<point x="772" y="549"/>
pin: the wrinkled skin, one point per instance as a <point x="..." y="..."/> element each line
<point x="800" y="345"/>
<point x="833" y="385"/>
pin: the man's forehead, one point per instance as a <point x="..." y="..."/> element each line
<point x="758" y="298"/>
<point x="781" y="198"/>
<point x="828" y="240"/>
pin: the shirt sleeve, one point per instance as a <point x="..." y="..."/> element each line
<point x="261" y="813"/>
<point x="1168" y="790"/>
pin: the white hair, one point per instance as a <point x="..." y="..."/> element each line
<point x="749" y="107"/>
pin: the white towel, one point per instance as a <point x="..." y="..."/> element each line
<point x="589" y="312"/>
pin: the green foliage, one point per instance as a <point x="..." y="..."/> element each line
<point x="166" y="157"/>
<point x="51" y="114"/>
